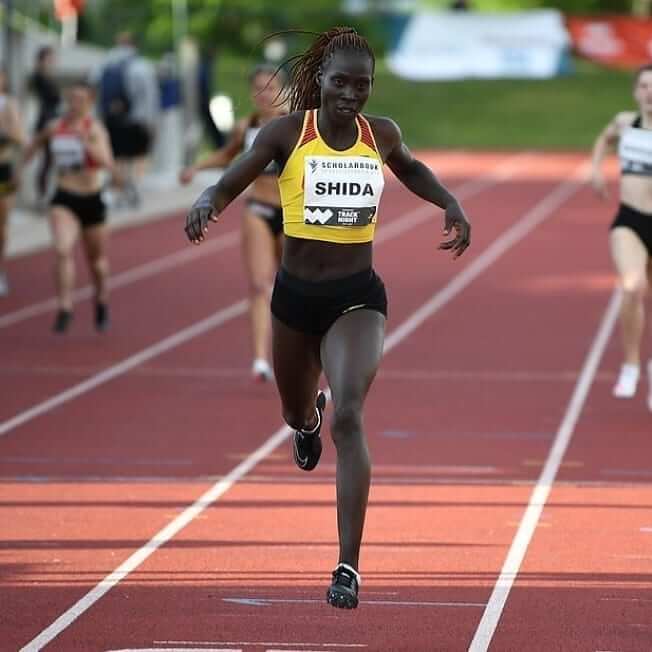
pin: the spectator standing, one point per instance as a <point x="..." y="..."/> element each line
<point x="205" y="72"/>
<point x="48" y="95"/>
<point x="129" y="104"/>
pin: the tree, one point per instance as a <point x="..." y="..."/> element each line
<point x="236" y="25"/>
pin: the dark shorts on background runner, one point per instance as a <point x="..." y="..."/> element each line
<point x="89" y="210"/>
<point x="640" y="223"/>
<point x="7" y="184"/>
<point x="313" y="307"/>
<point x="271" y="214"/>
<point x="129" y="139"/>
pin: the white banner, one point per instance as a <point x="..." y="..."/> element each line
<point x="461" y="44"/>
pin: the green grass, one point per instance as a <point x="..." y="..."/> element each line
<point x="565" y="113"/>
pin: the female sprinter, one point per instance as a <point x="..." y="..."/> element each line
<point x="631" y="231"/>
<point x="80" y="149"/>
<point x="12" y="138"/>
<point x="262" y="223"/>
<point x="328" y="304"/>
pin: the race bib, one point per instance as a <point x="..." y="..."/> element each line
<point x="635" y="151"/>
<point x="342" y="190"/>
<point x="68" y="151"/>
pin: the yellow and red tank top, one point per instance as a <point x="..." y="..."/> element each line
<point x="328" y="194"/>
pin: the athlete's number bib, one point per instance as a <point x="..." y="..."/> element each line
<point x="342" y="190"/>
<point x="68" y="151"/>
<point x="635" y="150"/>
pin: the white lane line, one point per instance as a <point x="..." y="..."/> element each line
<point x="262" y="643"/>
<point x="512" y="236"/>
<point x="129" y="276"/>
<point x="412" y="219"/>
<point x="482" y="376"/>
<point x="264" y="602"/>
<point x="81" y="461"/>
<point x="501" y="173"/>
<point x="213" y="321"/>
<point x="491" y="254"/>
<point x="543" y="486"/>
<point x="627" y="472"/>
<point x="466" y="190"/>
<point x="183" y="649"/>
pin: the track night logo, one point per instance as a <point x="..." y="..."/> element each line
<point x="342" y="191"/>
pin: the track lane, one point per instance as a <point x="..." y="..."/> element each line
<point x="102" y="417"/>
<point x="389" y="505"/>
<point x="590" y="566"/>
<point x="419" y="243"/>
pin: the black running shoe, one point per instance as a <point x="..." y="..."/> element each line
<point x="343" y="592"/>
<point x="306" y="447"/>
<point x="102" y="321"/>
<point x="62" y="321"/>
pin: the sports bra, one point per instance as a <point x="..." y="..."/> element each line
<point x="635" y="150"/>
<point x="68" y="149"/>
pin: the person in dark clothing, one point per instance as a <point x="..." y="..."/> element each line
<point x="205" y="92"/>
<point x="47" y="92"/>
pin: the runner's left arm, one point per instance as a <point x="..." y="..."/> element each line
<point x="236" y="178"/>
<point x="98" y="146"/>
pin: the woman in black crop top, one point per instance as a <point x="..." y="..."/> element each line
<point x="262" y="222"/>
<point x="631" y="230"/>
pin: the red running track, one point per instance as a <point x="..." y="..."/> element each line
<point x="474" y="391"/>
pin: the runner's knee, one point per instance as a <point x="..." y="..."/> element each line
<point x="634" y="286"/>
<point x="100" y="265"/>
<point x="63" y="252"/>
<point x="346" y="423"/>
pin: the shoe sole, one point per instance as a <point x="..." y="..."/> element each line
<point x="341" y="599"/>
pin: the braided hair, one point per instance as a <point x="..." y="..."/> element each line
<point x="303" y="92"/>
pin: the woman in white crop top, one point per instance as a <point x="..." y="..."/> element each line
<point x="262" y="222"/>
<point x="80" y="150"/>
<point x="12" y="139"/>
<point x="631" y="230"/>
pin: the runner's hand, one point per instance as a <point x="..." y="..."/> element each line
<point x="201" y="213"/>
<point x="456" y="220"/>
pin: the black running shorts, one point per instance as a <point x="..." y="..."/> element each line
<point x="640" y="223"/>
<point x="272" y="215"/>
<point x="7" y="185"/>
<point x="89" y="209"/>
<point x="313" y="307"/>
